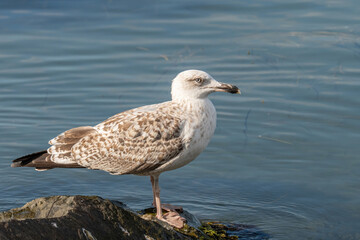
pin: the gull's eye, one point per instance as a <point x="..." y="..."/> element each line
<point x="199" y="80"/>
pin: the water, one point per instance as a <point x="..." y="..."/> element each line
<point x="285" y="155"/>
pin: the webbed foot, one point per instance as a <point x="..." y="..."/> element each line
<point x="173" y="218"/>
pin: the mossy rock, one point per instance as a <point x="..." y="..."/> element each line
<point x="94" y="218"/>
<point x="79" y="217"/>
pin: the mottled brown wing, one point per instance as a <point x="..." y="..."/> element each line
<point x="59" y="154"/>
<point x="134" y="142"/>
<point x="60" y="151"/>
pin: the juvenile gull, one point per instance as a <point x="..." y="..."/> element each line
<point x="143" y="141"/>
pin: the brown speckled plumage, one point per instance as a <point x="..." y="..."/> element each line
<point x="132" y="142"/>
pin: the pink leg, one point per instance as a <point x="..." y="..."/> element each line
<point x="172" y="217"/>
<point x="156" y="193"/>
<point x="164" y="206"/>
<point x="153" y="188"/>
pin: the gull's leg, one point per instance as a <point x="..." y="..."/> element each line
<point x="153" y="189"/>
<point x="164" y="206"/>
<point x="156" y="191"/>
<point x="172" y="217"/>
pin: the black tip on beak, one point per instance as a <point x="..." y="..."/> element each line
<point x="229" y="88"/>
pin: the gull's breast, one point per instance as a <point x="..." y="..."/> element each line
<point x="199" y="127"/>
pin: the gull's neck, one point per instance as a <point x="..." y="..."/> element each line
<point x="200" y="107"/>
<point x="188" y="101"/>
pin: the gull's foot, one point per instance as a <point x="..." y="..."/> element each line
<point x="170" y="208"/>
<point x="174" y="219"/>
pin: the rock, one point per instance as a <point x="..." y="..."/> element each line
<point x="79" y="217"/>
<point x="94" y="218"/>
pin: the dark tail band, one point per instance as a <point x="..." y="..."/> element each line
<point x="40" y="161"/>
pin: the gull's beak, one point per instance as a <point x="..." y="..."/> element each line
<point x="223" y="87"/>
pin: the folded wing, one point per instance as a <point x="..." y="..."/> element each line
<point x="134" y="142"/>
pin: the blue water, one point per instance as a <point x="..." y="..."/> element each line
<point x="285" y="154"/>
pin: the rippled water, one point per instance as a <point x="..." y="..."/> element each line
<point x="285" y="155"/>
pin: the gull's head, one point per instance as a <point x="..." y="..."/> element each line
<point x="198" y="84"/>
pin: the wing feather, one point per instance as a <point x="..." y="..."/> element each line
<point x="60" y="151"/>
<point x="134" y="142"/>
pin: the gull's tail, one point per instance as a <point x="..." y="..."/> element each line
<point x="59" y="154"/>
<point x="40" y="161"/>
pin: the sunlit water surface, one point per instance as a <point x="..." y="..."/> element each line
<point x="285" y="154"/>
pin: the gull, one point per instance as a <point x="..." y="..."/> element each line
<point x="144" y="141"/>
